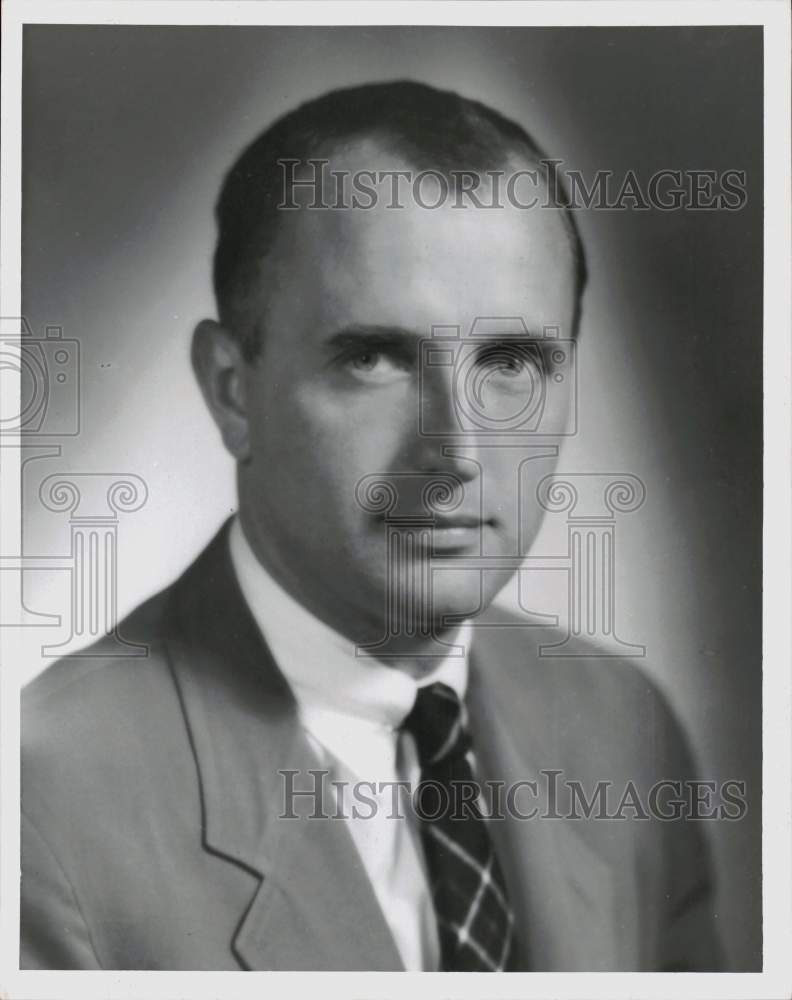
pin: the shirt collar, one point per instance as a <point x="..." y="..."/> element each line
<point x="320" y="665"/>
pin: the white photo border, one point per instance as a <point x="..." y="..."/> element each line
<point x="776" y="978"/>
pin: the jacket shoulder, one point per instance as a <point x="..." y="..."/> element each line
<point x="96" y="668"/>
<point x="88" y="718"/>
<point x="600" y="707"/>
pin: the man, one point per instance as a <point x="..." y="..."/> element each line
<point x="179" y="810"/>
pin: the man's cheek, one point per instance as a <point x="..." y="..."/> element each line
<point x="361" y="443"/>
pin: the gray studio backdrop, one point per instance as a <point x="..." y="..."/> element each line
<point x="127" y="133"/>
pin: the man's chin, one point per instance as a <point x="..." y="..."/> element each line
<point x="455" y="596"/>
<point x="421" y="602"/>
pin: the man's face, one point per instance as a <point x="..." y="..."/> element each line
<point x="341" y="391"/>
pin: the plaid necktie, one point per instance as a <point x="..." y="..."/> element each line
<point x="475" y="921"/>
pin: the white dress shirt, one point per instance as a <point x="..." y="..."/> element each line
<point x="351" y="708"/>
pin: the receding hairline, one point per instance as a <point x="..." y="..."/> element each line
<point x="344" y="154"/>
<point x="478" y="140"/>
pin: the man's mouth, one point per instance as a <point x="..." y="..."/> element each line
<point x="451" y="521"/>
<point x="456" y="531"/>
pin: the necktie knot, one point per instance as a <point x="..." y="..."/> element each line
<point x="438" y="724"/>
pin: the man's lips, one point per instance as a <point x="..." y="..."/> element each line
<point x="450" y="532"/>
<point x="443" y="522"/>
<point x="458" y="531"/>
<point x="449" y="521"/>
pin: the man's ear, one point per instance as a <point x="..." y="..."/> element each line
<point x="220" y="369"/>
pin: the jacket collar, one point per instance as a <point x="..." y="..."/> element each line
<point x="568" y="900"/>
<point x="242" y="723"/>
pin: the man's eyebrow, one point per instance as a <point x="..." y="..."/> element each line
<point x="372" y="335"/>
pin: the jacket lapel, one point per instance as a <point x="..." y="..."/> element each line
<point x="314" y="907"/>
<point x="562" y="890"/>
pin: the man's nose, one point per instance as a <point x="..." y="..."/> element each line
<point x="444" y="441"/>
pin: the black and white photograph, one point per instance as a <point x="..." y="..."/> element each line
<point x="395" y="479"/>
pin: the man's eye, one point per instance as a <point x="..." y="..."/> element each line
<point x="511" y="361"/>
<point x="366" y="361"/>
<point x="375" y="366"/>
<point x="510" y="365"/>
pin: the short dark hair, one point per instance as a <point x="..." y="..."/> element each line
<point x="431" y="128"/>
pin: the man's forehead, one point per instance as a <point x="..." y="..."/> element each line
<point x="414" y="265"/>
<point x="406" y="283"/>
<point x="367" y="192"/>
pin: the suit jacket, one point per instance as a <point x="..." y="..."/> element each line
<point x="151" y="836"/>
